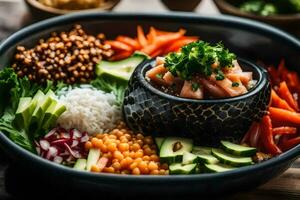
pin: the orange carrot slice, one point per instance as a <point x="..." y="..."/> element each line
<point x="284" y="116"/>
<point x="129" y="41"/>
<point x="117" y="45"/>
<point x="280" y="103"/>
<point x="180" y="43"/>
<point x="121" y="55"/>
<point x="285" y="93"/>
<point x="284" y="130"/>
<point x="141" y="36"/>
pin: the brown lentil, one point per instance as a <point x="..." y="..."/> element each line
<point x="128" y="153"/>
<point x="65" y="56"/>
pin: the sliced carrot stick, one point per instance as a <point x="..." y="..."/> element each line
<point x="117" y="45"/>
<point x="290" y="143"/>
<point x="284" y="130"/>
<point x="162" y="41"/>
<point x="285" y="94"/>
<point x="129" y="41"/>
<point x="280" y="103"/>
<point x="267" y="136"/>
<point x="141" y="36"/>
<point x="284" y="116"/>
<point x="121" y="55"/>
<point x="180" y="43"/>
<point x="151" y="35"/>
<point x="156" y="74"/>
<point x="158" y="52"/>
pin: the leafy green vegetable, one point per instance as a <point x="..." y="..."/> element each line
<point x="267" y="7"/>
<point x="12" y="89"/>
<point x="17" y="136"/>
<point x="110" y="86"/>
<point x="198" y="58"/>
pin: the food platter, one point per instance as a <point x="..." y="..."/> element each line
<point x="241" y="36"/>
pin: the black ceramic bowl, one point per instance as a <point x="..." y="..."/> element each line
<point x="154" y="112"/>
<point x="250" y="40"/>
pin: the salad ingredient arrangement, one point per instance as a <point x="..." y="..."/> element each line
<point x="61" y="99"/>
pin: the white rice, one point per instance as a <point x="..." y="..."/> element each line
<point x="88" y="109"/>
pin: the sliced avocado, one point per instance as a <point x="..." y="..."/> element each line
<point x="232" y="160"/>
<point x="92" y="159"/>
<point x="52" y="114"/>
<point x="212" y="168"/>
<point x="24" y="112"/>
<point x="159" y="141"/>
<point x="172" y="149"/>
<point x="238" y="150"/>
<point x="42" y="105"/>
<point x="120" y="70"/>
<point x="80" y="164"/>
<point x="178" y="168"/>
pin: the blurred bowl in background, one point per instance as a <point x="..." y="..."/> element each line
<point x="288" y="22"/>
<point x="40" y="11"/>
<point x="181" y="5"/>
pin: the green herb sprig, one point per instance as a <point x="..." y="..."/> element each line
<point x="197" y="58"/>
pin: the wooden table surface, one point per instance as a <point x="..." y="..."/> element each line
<point x="13" y="16"/>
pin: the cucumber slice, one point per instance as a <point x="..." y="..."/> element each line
<point x="238" y="150"/>
<point x="208" y="159"/>
<point x="92" y="159"/>
<point x="232" y="160"/>
<point x="80" y="164"/>
<point x="120" y="70"/>
<point x="212" y="168"/>
<point x="178" y="168"/>
<point x="159" y="141"/>
<point x="172" y="149"/>
<point x="201" y="150"/>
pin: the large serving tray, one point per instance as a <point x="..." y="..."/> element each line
<point x="246" y="38"/>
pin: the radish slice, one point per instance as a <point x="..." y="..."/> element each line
<point x="51" y="133"/>
<point x="58" y="159"/>
<point x="45" y="145"/>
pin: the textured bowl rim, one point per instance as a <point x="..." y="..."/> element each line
<point x="261" y="83"/>
<point x="10" y="147"/>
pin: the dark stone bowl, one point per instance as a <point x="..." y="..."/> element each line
<point x="154" y="112"/>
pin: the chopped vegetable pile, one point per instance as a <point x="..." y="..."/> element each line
<point x="278" y="131"/>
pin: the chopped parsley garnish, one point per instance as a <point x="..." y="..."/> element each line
<point x="235" y="84"/>
<point x="159" y="76"/>
<point x="198" y="58"/>
<point x="195" y="86"/>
